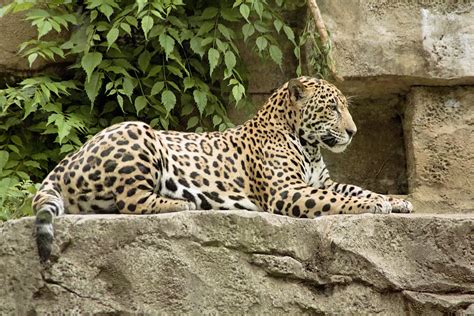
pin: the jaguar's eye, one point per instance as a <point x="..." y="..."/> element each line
<point x="333" y="106"/>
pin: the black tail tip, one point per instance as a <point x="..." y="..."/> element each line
<point x="44" y="234"/>
<point x="44" y="243"/>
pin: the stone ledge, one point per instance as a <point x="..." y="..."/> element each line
<point x="242" y="262"/>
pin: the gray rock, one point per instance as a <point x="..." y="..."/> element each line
<point x="439" y="124"/>
<point x="383" y="46"/>
<point x="240" y="262"/>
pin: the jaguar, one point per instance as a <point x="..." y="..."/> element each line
<point x="270" y="163"/>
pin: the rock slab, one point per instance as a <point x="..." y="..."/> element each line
<point x="384" y="46"/>
<point x="239" y="262"/>
<point x="439" y="124"/>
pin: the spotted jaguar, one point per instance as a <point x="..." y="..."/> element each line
<point x="270" y="163"/>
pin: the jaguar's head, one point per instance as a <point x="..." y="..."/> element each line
<point x="323" y="117"/>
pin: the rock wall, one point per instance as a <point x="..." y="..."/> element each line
<point x="439" y="129"/>
<point x="239" y="262"/>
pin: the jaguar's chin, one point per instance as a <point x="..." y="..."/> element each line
<point x="339" y="148"/>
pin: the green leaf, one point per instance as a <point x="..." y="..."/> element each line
<point x="32" y="58"/>
<point x="261" y="43"/>
<point x="144" y="60"/>
<point x="205" y="28"/>
<point x="147" y="24"/>
<point x="248" y="31"/>
<point x="200" y="98"/>
<point x="175" y="71"/>
<point x="92" y="86"/>
<point x="157" y="87"/>
<point x="141" y="5"/>
<point x="245" y="11"/>
<point x="167" y="42"/>
<point x="258" y="6"/>
<point x="112" y="36"/>
<point x="209" y="13"/>
<point x="4" y="155"/>
<point x="168" y="99"/>
<point x="126" y="28"/>
<point x="216" y="120"/>
<point x="132" y="20"/>
<point x="128" y="87"/>
<point x="44" y="28"/>
<point x="229" y="14"/>
<point x="278" y="25"/>
<point x="276" y="54"/>
<point x="23" y="175"/>
<point x="289" y="33"/>
<point x="64" y="128"/>
<point x="35" y="164"/>
<point x="238" y="91"/>
<point x="196" y="46"/>
<point x="213" y="56"/>
<point x="17" y="140"/>
<point x="14" y="148"/>
<point x="140" y="103"/>
<point x="107" y="10"/>
<point x="64" y="149"/>
<point x="193" y="121"/>
<point x="90" y="61"/>
<point x="120" y="101"/>
<point x="188" y="83"/>
<point x="164" y="122"/>
<point x="228" y="33"/>
<point x="229" y="60"/>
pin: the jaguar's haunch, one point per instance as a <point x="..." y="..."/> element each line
<point x="270" y="163"/>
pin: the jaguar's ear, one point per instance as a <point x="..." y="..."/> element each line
<point x="296" y="90"/>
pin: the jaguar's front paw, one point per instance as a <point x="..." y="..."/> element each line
<point x="381" y="207"/>
<point x="190" y="206"/>
<point x="401" y="206"/>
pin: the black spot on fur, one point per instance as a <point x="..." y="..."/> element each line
<point x="326" y="207"/>
<point x="106" y="152"/>
<point x="126" y="170"/>
<point x="310" y="203"/>
<point x="170" y="185"/>
<point x="188" y="196"/>
<point x="110" y="165"/>
<point x="121" y="205"/>
<point x="279" y="205"/>
<point x="132" y="134"/>
<point x="204" y="203"/>
<point x="296" y="211"/>
<point x="183" y="182"/>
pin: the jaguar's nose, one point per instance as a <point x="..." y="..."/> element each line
<point x="351" y="132"/>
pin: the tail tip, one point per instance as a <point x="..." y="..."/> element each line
<point x="44" y="234"/>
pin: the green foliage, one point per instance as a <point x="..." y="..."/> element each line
<point x="318" y="56"/>
<point x="171" y="63"/>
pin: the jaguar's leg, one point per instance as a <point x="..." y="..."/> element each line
<point x="309" y="202"/>
<point x="398" y="205"/>
<point x="137" y="201"/>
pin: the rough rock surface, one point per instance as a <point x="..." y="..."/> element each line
<point x="387" y="46"/>
<point x="240" y="262"/>
<point x="439" y="128"/>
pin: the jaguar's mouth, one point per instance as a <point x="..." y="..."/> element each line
<point x="329" y="140"/>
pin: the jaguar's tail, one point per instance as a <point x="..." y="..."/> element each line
<point x="47" y="204"/>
